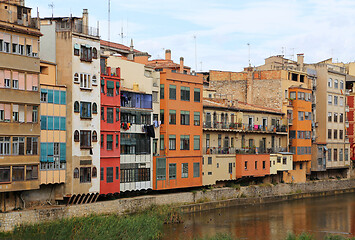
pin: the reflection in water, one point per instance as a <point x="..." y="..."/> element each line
<point x="318" y="216"/>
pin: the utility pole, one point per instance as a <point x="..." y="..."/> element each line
<point x="109" y="18"/>
<point x="195" y="54"/>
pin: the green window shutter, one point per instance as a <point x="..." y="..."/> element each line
<point x="117" y="110"/>
<point x="110" y="84"/>
<point x="117" y="84"/>
<point x="109" y="138"/>
<point x="103" y="82"/>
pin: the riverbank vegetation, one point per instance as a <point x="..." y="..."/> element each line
<point x="147" y="224"/>
<point x="291" y="236"/>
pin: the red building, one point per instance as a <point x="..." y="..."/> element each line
<point x="110" y="130"/>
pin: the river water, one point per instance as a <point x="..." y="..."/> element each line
<point x="318" y="216"/>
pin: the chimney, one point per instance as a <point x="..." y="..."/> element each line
<point x="85" y="21"/>
<point x="167" y="54"/>
<point x="300" y="59"/>
<point x="181" y="65"/>
<point x="131" y="52"/>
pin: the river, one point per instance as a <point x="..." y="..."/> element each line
<point x="318" y="216"/>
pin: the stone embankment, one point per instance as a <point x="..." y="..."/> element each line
<point x="205" y="199"/>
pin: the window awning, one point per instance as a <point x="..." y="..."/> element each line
<point x="110" y="84"/>
<point x="76" y="46"/>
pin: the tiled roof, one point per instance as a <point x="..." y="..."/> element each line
<point x="116" y="45"/>
<point x="222" y="103"/>
<point x="162" y="63"/>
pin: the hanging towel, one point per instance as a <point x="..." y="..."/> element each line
<point x="150" y="131"/>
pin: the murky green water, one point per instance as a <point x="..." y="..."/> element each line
<point x="318" y="216"/>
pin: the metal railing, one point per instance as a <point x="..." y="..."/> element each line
<point x="78" y="28"/>
<point x="244" y="127"/>
<point x="246" y="150"/>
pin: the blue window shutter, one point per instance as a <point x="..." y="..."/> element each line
<point x="50" y="152"/>
<point x="63" y="152"/>
<point x="50" y="96"/>
<point x="56" y="97"/>
<point x="63" y="97"/>
<point x="50" y="122"/>
<point x="56" y="123"/>
<point x="81" y="110"/>
<point x="62" y="124"/>
<point x="89" y="110"/>
<point x="43" y="122"/>
<point x="43" y="152"/>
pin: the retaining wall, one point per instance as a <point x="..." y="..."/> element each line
<point x="191" y="201"/>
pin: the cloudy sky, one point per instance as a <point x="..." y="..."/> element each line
<point x="223" y="28"/>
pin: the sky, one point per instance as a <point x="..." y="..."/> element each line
<point x="221" y="34"/>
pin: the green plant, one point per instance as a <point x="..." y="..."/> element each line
<point x="302" y="236"/>
<point x="218" y="236"/>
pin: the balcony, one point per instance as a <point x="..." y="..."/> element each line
<point x="244" y="127"/>
<point x="246" y="150"/>
<point x="77" y="27"/>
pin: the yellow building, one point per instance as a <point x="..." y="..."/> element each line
<point x="19" y="103"/>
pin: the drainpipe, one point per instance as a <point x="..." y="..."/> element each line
<point x="23" y="201"/>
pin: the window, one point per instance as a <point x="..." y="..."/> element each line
<point x="197" y="142"/>
<point x="292" y="134"/>
<point x="102" y="141"/>
<point x="284" y="160"/>
<point x="335" y="100"/>
<point x="94" y="80"/>
<point x="196" y="169"/>
<point x="161" y="91"/>
<point x="300" y="116"/>
<point x="341" y="101"/>
<point x="335" y="134"/>
<point x="264" y="164"/>
<point x="6" y="43"/>
<point x="184" y="170"/>
<point x="102" y="113"/>
<point x="109" y="142"/>
<point x="301" y="166"/>
<point x="94" y="136"/>
<point x="172" y="142"/>
<point x="15" y="116"/>
<point x="161" y="169"/>
<point x="76" y="49"/>
<point x="4" y="174"/>
<point x="172" y="170"/>
<point x="5" y="146"/>
<point x="94" y="53"/>
<point x="18" y="146"/>
<point x="85" y="109"/>
<point x="256" y="164"/>
<point x="109" y="115"/>
<point x="330" y="82"/>
<point x="117" y="173"/>
<point x="329" y="155"/>
<point x="76" y="173"/>
<point x="76" y="106"/>
<point x="172" y="116"/>
<point x="341" y="154"/>
<point x="335" y="154"/>
<point x="346" y="154"/>
<point x="94" y="108"/>
<point x="162" y="142"/>
<point x="154" y="96"/>
<point x="32" y="172"/>
<point x="110" y="85"/>
<point x="341" y="117"/>
<point x="330" y="99"/>
<point x="336" y="83"/>
<point x="307" y="116"/>
<point x="341" y="134"/>
<point x="31" y="145"/>
<point x="329" y="116"/>
<point x="76" y="136"/>
<point x="184" y="142"/>
<point x="329" y="133"/>
<point x="85" y="174"/>
<point x="197" y="95"/>
<point x="86" y="53"/>
<point x="197" y="118"/>
<point x="293" y="95"/>
<point x="18" y="173"/>
<point x="117" y="114"/>
<point x="185" y="118"/>
<point x="172" y="92"/>
<point x="76" y="78"/>
<point x="341" y="84"/>
<point x="109" y="174"/>
<point x="162" y="116"/>
<point x="84" y="80"/>
<point x="94" y="172"/>
<point x="185" y="93"/>
<point x="43" y="95"/>
<point x="15" y="83"/>
<point x="209" y="161"/>
<point x="335" y="117"/>
<point x="85" y="139"/>
<point x="7" y="83"/>
<point x="246" y="165"/>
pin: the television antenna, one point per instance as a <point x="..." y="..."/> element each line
<point x="51" y="5"/>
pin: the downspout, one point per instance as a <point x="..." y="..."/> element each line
<point x="23" y="201"/>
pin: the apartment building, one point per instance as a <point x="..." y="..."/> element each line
<point x="110" y="129"/>
<point x="74" y="46"/>
<point x="331" y="138"/>
<point x="53" y="129"/>
<point x="238" y="139"/>
<point x="19" y="103"/>
<point x="178" y="165"/>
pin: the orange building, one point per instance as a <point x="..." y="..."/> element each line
<point x="252" y="165"/>
<point x="179" y="163"/>
<point x="300" y="125"/>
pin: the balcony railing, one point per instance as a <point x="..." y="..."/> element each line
<point x="78" y="28"/>
<point x="244" y="127"/>
<point x="246" y="150"/>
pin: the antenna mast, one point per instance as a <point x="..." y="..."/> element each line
<point x="195" y="54"/>
<point x="51" y="5"/>
<point x="249" y="54"/>
<point x="109" y="19"/>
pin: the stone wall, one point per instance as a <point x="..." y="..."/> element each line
<point x="219" y="197"/>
